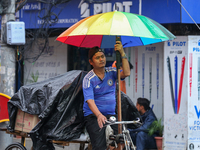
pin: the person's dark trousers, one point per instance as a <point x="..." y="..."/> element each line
<point x="143" y="141"/>
<point x="97" y="135"/>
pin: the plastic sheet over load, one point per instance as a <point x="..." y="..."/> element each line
<point x="58" y="103"/>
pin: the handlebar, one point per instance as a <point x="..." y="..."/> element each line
<point x="123" y="122"/>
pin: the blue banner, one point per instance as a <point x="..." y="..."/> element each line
<point x="192" y="7"/>
<point x="36" y="14"/>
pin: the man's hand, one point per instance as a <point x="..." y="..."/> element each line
<point x="101" y="119"/>
<point x="119" y="47"/>
<point x="125" y="65"/>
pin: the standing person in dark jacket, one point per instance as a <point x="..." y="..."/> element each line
<point x="140" y="135"/>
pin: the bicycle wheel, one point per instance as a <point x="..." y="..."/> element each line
<point x="16" y="146"/>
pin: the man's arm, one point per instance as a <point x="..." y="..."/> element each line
<point x="144" y="127"/>
<point x="100" y="117"/>
<point x="125" y="65"/>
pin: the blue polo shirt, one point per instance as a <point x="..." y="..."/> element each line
<point x="101" y="91"/>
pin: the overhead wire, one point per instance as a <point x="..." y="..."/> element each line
<point x="48" y="18"/>
<point x="20" y="5"/>
<point x="4" y="6"/>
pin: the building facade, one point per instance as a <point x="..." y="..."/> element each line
<point x="170" y="97"/>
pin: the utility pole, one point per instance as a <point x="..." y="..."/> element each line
<point x="7" y="55"/>
<point x="7" y="68"/>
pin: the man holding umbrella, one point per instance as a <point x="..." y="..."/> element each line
<point x="99" y="94"/>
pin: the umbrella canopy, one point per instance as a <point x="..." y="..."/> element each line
<point x="101" y="30"/>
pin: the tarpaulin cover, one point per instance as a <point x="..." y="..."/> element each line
<point x="58" y="102"/>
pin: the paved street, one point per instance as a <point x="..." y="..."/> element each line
<point x="7" y="139"/>
<point x="29" y="145"/>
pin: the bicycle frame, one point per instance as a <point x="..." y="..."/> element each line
<point x="125" y="132"/>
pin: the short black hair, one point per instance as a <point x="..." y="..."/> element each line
<point x="93" y="51"/>
<point x="143" y="102"/>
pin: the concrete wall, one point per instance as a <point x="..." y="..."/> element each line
<point x="146" y="79"/>
<point x="51" y="63"/>
<point x="7" y="69"/>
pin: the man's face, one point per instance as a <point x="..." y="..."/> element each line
<point x="98" y="60"/>
<point x="139" y="108"/>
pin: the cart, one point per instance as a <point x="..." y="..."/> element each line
<point x="125" y="135"/>
<point x="59" y="102"/>
<point x="24" y="135"/>
<point x="4" y="117"/>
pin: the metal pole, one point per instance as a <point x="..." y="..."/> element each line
<point x="140" y="7"/>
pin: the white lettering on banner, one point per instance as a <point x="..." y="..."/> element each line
<point x="32" y="6"/>
<point x="26" y="7"/>
<point x="105" y="7"/>
<point x="67" y="20"/>
<point x="127" y="6"/>
<point x="97" y="9"/>
<point x="35" y="6"/>
<point x="85" y="12"/>
<point x="60" y="21"/>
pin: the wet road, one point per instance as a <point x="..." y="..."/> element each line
<point x="28" y="146"/>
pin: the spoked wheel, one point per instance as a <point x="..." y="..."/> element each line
<point x="16" y="146"/>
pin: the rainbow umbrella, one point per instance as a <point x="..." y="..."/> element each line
<point x="101" y="30"/>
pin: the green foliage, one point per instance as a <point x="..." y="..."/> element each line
<point x="156" y="127"/>
<point x="34" y="77"/>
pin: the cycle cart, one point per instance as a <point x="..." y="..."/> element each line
<point x="125" y="137"/>
<point x="84" y="138"/>
<point x="24" y="135"/>
<point x="16" y="146"/>
<point x="58" y="103"/>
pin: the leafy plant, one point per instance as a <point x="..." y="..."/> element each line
<point x="156" y="127"/>
<point x="34" y="77"/>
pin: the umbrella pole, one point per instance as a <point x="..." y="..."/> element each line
<point x="118" y="88"/>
